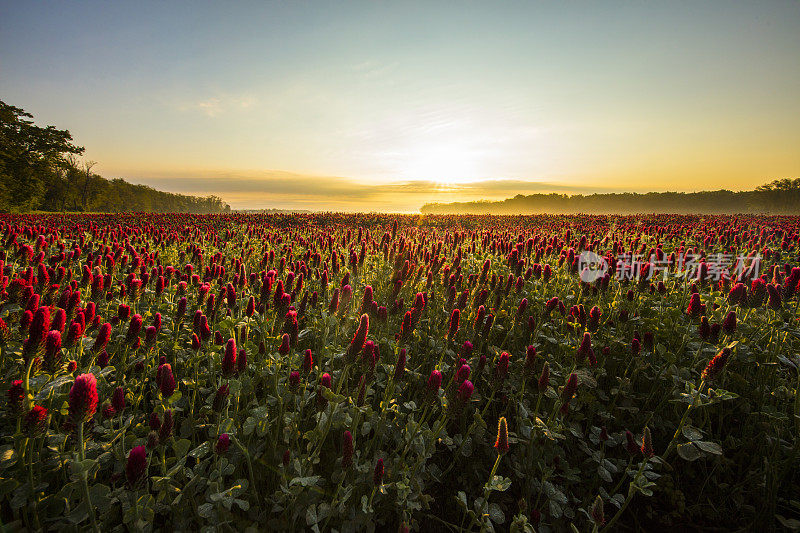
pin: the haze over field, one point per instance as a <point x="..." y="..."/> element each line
<point x="388" y="106"/>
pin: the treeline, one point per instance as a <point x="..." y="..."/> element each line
<point x="780" y="197"/>
<point x="94" y="193"/>
<point x="39" y="171"/>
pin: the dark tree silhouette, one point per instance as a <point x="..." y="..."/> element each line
<point x="778" y="197"/>
<point x="39" y="171"/>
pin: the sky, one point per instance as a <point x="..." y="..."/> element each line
<point x="364" y="106"/>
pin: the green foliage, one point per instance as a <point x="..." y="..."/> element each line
<point x="38" y="172"/>
<point x="32" y="159"/>
<point x="716" y="455"/>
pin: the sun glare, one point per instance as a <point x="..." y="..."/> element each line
<point x="444" y="163"/>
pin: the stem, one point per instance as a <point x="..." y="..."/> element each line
<point x="622" y="479"/>
<point x="84" y="480"/>
<point x="194" y="392"/>
<point x="628" y="499"/>
<point x="486" y="407"/>
<point x="494" y="468"/>
<point x="797" y="404"/>
<point x="31" y="479"/>
<point x="333" y="504"/>
<point x="135" y="495"/>
<point x="28" y="400"/>
<point x="328" y="424"/>
<point x="683" y="421"/>
<point x="249" y="467"/>
<point x="122" y="437"/>
<point x="80" y="441"/>
<point x="407" y="448"/>
<point x="29" y="459"/>
<point x="486" y="492"/>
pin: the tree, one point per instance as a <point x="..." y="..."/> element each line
<point x="785" y="184"/>
<point x="39" y="170"/>
<point x="31" y="158"/>
<point x="87" y="166"/>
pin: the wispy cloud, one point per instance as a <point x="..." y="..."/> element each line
<point x="371" y="69"/>
<point x="217" y="105"/>
<point x="211" y="107"/>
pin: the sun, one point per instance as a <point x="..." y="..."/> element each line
<point x="446" y="163"/>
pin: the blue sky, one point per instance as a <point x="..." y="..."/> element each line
<point x="301" y="104"/>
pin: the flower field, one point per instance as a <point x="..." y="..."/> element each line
<point x="373" y="372"/>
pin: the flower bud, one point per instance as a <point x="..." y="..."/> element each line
<point x="377" y="476"/>
<point x="52" y="350"/>
<point x="223" y="443"/>
<point x="598" y="515"/>
<point x="35" y="422"/>
<point x="400" y="366"/>
<point x="241" y="361"/>
<point x="501" y="368"/>
<point x="347" y="449"/>
<point x="103" y="338"/>
<point x="465" y="391"/>
<point x="118" y="399"/>
<point x="716" y="365"/>
<point x="631" y="445"/>
<point x="165" y="380"/>
<point x="283" y="349"/>
<point x="220" y="398"/>
<point x="16" y="397"/>
<point x="544" y="378"/>
<point x="136" y="465"/>
<point x="83" y="398"/>
<point x="434" y="383"/>
<point x="294" y="380"/>
<point x="570" y="387"/>
<point x="647" y="443"/>
<point x="501" y="444"/>
<point x="229" y="358"/>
